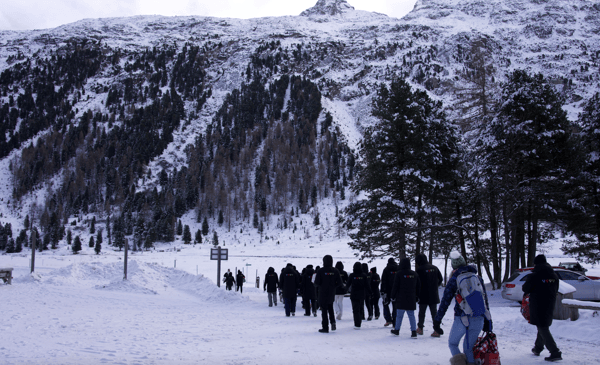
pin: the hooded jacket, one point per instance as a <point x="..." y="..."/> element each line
<point x="307" y="288"/>
<point x="358" y="282"/>
<point x="342" y="289"/>
<point x="542" y="287"/>
<point x="406" y="288"/>
<point x="289" y="281"/>
<point x="387" y="277"/>
<point x="450" y="293"/>
<point x="431" y="279"/>
<point x="240" y="278"/>
<point x="375" y="280"/>
<point x="327" y="280"/>
<point x="271" y="281"/>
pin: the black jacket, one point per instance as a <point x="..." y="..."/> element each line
<point x="406" y="287"/>
<point x="229" y="280"/>
<point x="240" y="278"/>
<point x="431" y="279"/>
<point x="289" y="282"/>
<point x="307" y="288"/>
<point x="387" y="277"/>
<point x="375" y="280"/>
<point x="327" y="280"/>
<point x="271" y="281"/>
<point x="358" y="283"/>
<point x="342" y="289"/>
<point x="542" y="287"/>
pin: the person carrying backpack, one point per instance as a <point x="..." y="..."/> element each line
<point x="471" y="311"/>
<point x="542" y="287"/>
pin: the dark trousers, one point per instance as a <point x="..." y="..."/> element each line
<point x="308" y="303"/>
<point x="389" y="316"/>
<point x="423" y="309"/>
<point x="358" y="310"/>
<point x="290" y="305"/>
<point x="240" y="288"/>
<point x="544" y="338"/>
<point x="374" y="306"/>
<point x="327" y="311"/>
<point x="369" y="307"/>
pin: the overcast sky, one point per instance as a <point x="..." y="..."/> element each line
<point x="41" y="14"/>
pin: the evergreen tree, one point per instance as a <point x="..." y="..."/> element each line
<point x="92" y="242"/>
<point x="198" y="238"/>
<point x="179" y="228"/>
<point x="99" y="236"/>
<point x="93" y="225"/>
<point x="220" y="218"/>
<point x="215" y="240"/>
<point x="98" y="246"/>
<point x="69" y="237"/>
<point x="10" y="246"/>
<point x="76" y="247"/>
<point x="187" y="235"/>
<point x="19" y="245"/>
<point x="205" y="227"/>
<point x="316" y="221"/>
<point x="255" y="220"/>
<point x="402" y="156"/>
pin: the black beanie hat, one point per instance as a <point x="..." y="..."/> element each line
<point x="540" y="259"/>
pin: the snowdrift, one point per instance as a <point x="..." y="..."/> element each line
<point x="142" y="278"/>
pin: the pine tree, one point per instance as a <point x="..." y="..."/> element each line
<point x="69" y="237"/>
<point x="402" y="157"/>
<point x="316" y="221"/>
<point x="220" y="218"/>
<point x="179" y="228"/>
<point x="93" y="225"/>
<point x="187" y="235"/>
<point x="92" y="242"/>
<point x="205" y="227"/>
<point x="198" y="238"/>
<point x="76" y="247"/>
<point x="98" y="246"/>
<point x="215" y="240"/>
<point x="255" y="220"/>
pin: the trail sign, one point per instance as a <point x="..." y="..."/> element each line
<point x="219" y="254"/>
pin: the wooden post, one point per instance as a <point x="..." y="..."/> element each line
<point x="33" y="238"/>
<point x="219" y="268"/>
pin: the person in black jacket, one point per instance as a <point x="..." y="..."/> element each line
<point x="290" y="282"/>
<point x="431" y="279"/>
<point x="542" y="287"/>
<point x="365" y="269"/>
<point x="375" y="293"/>
<point x="229" y="280"/>
<point x="240" y="278"/>
<point x="405" y="294"/>
<point x="327" y="280"/>
<point x="360" y="288"/>
<point x="340" y="291"/>
<point x="387" y="281"/>
<point x="307" y="289"/>
<point x="270" y="286"/>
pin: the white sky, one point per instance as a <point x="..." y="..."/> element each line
<point x="41" y="14"/>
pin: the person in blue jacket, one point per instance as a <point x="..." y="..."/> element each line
<point x="459" y="329"/>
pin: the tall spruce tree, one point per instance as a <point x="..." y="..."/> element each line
<point x="402" y="157"/>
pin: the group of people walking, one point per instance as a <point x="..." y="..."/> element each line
<point x="230" y="281"/>
<point x="402" y="288"/>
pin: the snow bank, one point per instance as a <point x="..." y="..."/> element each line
<point x="142" y="278"/>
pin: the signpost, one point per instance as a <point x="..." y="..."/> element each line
<point x="33" y="238"/>
<point x="219" y="254"/>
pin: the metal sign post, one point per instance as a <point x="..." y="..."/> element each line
<point x="219" y="254"/>
<point x="33" y="238"/>
<point x="125" y="262"/>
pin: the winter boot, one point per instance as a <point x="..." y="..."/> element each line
<point x="460" y="359"/>
<point x="535" y="351"/>
<point x="435" y="334"/>
<point x="419" y="331"/>
<point x="395" y="332"/>
<point x="333" y="326"/>
<point x="306" y="314"/>
<point x="324" y="330"/>
<point x="557" y="356"/>
<point x="413" y="334"/>
<point x="315" y="313"/>
<point x="387" y="323"/>
<point x="293" y="314"/>
<point x="369" y="318"/>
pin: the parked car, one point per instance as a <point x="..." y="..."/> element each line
<point x="587" y="289"/>
<point x="573" y="266"/>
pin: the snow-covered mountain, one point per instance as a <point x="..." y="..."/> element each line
<point x="346" y="52"/>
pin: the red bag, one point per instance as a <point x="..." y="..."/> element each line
<point x="525" y="308"/>
<point x="485" y="351"/>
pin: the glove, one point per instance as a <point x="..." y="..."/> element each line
<point x="487" y="325"/>
<point x="437" y="328"/>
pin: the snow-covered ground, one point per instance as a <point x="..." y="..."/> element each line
<point x="76" y="309"/>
